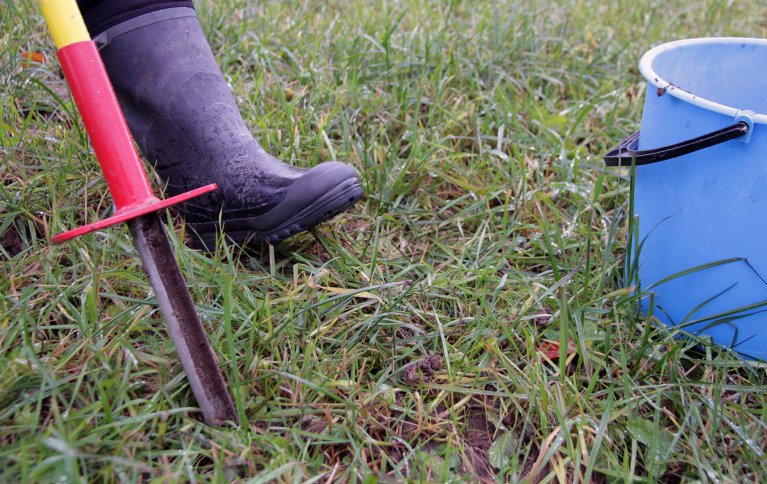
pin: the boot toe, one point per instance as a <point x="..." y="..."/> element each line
<point x="318" y="195"/>
<point x="323" y="177"/>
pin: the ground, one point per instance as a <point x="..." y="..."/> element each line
<point x="467" y="321"/>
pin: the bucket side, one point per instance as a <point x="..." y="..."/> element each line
<point x="699" y="210"/>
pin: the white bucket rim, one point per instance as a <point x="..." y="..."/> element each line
<point x="645" y="67"/>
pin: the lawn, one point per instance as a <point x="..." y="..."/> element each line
<point x="466" y="321"/>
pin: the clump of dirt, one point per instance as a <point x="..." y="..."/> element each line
<point x="11" y="243"/>
<point x="543" y="318"/>
<point x="313" y="424"/>
<point x="421" y="370"/>
<point x="478" y="438"/>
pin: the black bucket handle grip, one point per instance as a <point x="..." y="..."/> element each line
<point x="626" y="153"/>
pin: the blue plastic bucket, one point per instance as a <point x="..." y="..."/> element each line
<point x="699" y="249"/>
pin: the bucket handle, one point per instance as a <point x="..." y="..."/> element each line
<point x="626" y="153"/>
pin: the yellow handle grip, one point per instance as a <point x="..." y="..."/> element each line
<point x="64" y="20"/>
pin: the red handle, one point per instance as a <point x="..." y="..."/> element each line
<point x="105" y="124"/>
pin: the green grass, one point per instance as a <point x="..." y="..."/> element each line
<point x="401" y="340"/>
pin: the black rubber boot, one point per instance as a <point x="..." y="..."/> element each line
<point x="183" y="116"/>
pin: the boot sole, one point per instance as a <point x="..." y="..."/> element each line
<point x="343" y="196"/>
